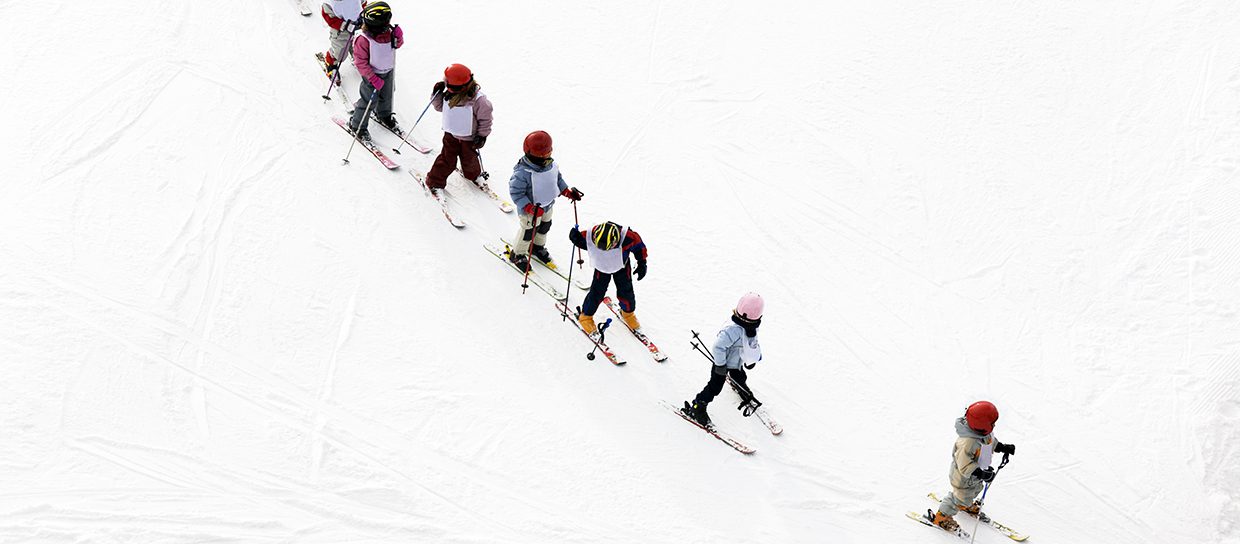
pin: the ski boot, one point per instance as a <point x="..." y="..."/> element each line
<point x="389" y="121"/>
<point x="587" y="324"/>
<point x="519" y="259"/>
<point x="543" y="256"/>
<point x="975" y="510"/>
<point x="944" y="521"/>
<point x="697" y="412"/>
<point x="630" y="319"/>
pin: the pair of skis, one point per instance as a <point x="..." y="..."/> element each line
<point x="504" y="255"/>
<point x="438" y="196"/>
<point x="368" y="144"/>
<point x="771" y="425"/>
<point x="927" y="519"/>
<point x="654" y="350"/>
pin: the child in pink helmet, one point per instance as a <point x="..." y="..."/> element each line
<point x="735" y="349"/>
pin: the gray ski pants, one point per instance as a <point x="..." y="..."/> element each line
<point x="522" y="244"/>
<point x="960" y="497"/>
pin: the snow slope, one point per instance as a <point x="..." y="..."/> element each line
<point x="213" y="331"/>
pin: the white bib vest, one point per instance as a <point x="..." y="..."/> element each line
<point x="987" y="452"/>
<point x="607" y="261"/>
<point x="751" y="351"/>
<point x="459" y="122"/>
<point x="545" y="185"/>
<point x="349" y="10"/>
<point x="382" y="55"/>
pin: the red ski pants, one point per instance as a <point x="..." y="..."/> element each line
<point x="445" y="163"/>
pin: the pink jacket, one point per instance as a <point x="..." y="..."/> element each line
<point x="361" y="52"/>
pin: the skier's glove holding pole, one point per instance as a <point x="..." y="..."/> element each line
<point x="984" y="474"/>
<point x="1009" y="449"/>
<point x="572" y="194"/>
<point x="479" y="141"/>
<point x="749" y="406"/>
<point x="531" y="209"/>
<point x="640" y="271"/>
<point x="438" y="88"/>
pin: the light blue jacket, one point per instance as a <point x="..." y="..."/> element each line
<point x="521" y="187"/>
<point x="728" y="346"/>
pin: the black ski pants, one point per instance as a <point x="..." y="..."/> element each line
<point x="718" y="375"/>
<point x="598" y="290"/>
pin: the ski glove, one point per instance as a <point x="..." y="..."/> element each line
<point x="748" y="407"/>
<point x="531" y="209"/>
<point x="398" y="37"/>
<point x="479" y="141"/>
<point x="572" y="194"/>
<point x="438" y="88"/>
<point x="984" y="474"/>
<point x="1009" y="449"/>
<point x="349" y="26"/>
<point x="640" y="272"/>
<point x="376" y="82"/>
<point x="749" y="366"/>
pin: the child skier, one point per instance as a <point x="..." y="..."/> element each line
<point x="343" y="17"/>
<point x="970" y="463"/>
<point x="735" y="346"/>
<point x="374" y="54"/>
<point x="609" y="246"/>
<point x="466" y="125"/>
<point x="535" y="182"/>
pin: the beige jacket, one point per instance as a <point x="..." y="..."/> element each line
<point x="970" y="449"/>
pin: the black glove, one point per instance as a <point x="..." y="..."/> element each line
<point x="750" y="366"/>
<point x="438" y="88"/>
<point x="640" y="272"/>
<point x="576" y="238"/>
<point x="479" y="141"/>
<point x="984" y="474"/>
<point x="1009" y="449"/>
<point x="748" y="407"/>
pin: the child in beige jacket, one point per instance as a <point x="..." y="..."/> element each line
<point x="971" y="457"/>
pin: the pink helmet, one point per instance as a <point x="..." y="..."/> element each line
<point x="750" y="307"/>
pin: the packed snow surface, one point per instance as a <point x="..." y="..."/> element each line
<point x="211" y="330"/>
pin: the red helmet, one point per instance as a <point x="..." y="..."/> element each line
<point x="981" y="416"/>
<point x="457" y="75"/>
<point x="538" y="144"/>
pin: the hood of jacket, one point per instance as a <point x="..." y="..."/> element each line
<point x="963" y="430"/>
<point x="525" y="163"/>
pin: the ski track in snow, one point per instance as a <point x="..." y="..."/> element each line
<point x="217" y="332"/>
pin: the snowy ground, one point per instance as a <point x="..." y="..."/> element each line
<point x="213" y="331"/>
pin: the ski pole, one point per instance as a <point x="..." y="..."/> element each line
<point x="982" y="500"/>
<point x="580" y="261"/>
<point x="530" y="254"/>
<point x="415" y="123"/>
<point x="699" y="345"/>
<point x="484" y="175"/>
<point x="602" y="337"/>
<point x="336" y="77"/>
<point x="569" y="288"/>
<point x="357" y="134"/>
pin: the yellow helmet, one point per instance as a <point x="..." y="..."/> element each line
<point x="606" y="236"/>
